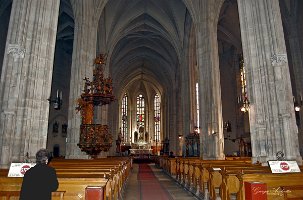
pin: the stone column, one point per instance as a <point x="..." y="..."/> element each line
<point x="185" y="97"/>
<point x="272" y="120"/>
<point x="211" y="123"/>
<point x="175" y="116"/>
<point x="84" y="53"/>
<point x="26" y="78"/>
<point x="171" y="119"/>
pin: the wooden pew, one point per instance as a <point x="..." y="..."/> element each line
<point x="214" y="179"/>
<point x="3" y="172"/>
<point x="200" y="167"/>
<point x="182" y="169"/>
<point x="73" y="183"/>
<point x="169" y="165"/>
<point x="16" y="194"/>
<point x="116" y="173"/>
<point x="73" y="187"/>
<point x="183" y="164"/>
<point x="7" y="195"/>
<point x="75" y="175"/>
<point x="192" y="173"/>
<point x="273" y="182"/>
<point x="199" y="175"/>
<point x="231" y="179"/>
<point x="292" y="192"/>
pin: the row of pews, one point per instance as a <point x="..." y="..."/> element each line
<point x="79" y="179"/>
<point x="226" y="179"/>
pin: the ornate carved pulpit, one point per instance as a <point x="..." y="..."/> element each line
<point x="95" y="138"/>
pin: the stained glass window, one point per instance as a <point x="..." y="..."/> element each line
<point x="157" y="117"/>
<point x="243" y="98"/>
<point x="198" y="106"/>
<point x="124" y="118"/>
<point x="140" y="111"/>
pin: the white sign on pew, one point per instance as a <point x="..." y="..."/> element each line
<point x="283" y="166"/>
<point x="19" y="169"/>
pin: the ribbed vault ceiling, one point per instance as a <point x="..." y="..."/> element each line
<point x="144" y="37"/>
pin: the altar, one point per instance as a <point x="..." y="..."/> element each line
<point x="139" y="152"/>
<point x="141" y="149"/>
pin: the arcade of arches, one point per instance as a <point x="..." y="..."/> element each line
<point x="177" y="71"/>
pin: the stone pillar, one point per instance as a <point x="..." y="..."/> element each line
<point x="272" y="120"/>
<point x="176" y="117"/>
<point x="84" y="53"/>
<point x="171" y="119"/>
<point x="185" y="97"/>
<point x="26" y="79"/>
<point x="211" y="123"/>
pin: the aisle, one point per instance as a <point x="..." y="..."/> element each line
<point x="150" y="187"/>
<point x="147" y="182"/>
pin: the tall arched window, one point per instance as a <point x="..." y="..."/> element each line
<point x="198" y="107"/>
<point x="157" y="117"/>
<point x="124" y="118"/>
<point x="140" y="112"/>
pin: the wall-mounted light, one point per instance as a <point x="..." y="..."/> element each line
<point x="57" y="101"/>
<point x="196" y="129"/>
<point x="180" y="137"/>
<point x="227" y="126"/>
<point x="297" y="103"/>
<point x="243" y="103"/>
<point x="297" y="107"/>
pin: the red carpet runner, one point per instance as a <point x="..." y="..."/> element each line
<point x="150" y="187"/>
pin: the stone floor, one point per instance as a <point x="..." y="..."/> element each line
<point x="132" y="190"/>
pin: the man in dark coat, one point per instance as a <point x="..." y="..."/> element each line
<point x="39" y="181"/>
